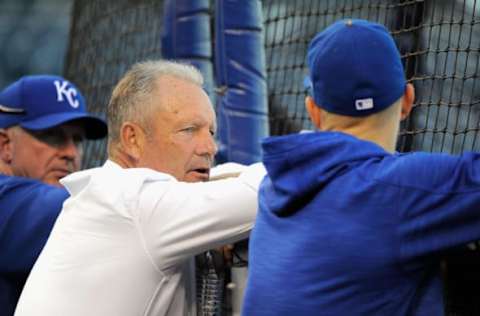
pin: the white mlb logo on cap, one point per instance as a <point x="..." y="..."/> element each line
<point x="364" y="104"/>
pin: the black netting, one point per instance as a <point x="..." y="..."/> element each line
<point x="106" y="38"/>
<point x="440" y="46"/>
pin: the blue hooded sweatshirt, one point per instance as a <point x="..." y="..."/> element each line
<point x="28" y="210"/>
<point x="346" y="228"/>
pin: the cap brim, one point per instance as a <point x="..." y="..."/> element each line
<point x="95" y="127"/>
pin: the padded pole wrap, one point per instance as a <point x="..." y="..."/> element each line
<point x="186" y="36"/>
<point x="240" y="75"/>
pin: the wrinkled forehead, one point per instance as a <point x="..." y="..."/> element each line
<point x="183" y="100"/>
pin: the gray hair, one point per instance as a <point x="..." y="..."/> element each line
<point x="131" y="97"/>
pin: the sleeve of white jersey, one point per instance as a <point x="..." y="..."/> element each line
<point x="189" y="218"/>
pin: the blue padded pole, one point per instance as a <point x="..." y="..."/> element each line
<point x="186" y="36"/>
<point x="240" y="75"/>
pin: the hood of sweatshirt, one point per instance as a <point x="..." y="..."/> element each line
<point x="299" y="165"/>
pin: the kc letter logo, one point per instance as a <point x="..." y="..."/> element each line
<point x="69" y="94"/>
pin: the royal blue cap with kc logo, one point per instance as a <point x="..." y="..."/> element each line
<point x="355" y="68"/>
<point x="43" y="101"/>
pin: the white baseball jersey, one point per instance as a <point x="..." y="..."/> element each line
<point x="125" y="239"/>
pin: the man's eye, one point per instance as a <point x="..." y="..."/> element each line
<point x="78" y="139"/>
<point x="50" y="137"/>
<point x="212" y="132"/>
<point x="189" y="129"/>
<point x="58" y="138"/>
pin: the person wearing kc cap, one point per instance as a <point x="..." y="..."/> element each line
<point x="43" y="121"/>
<point x="345" y="225"/>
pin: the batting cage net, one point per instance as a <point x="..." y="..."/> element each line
<point x="106" y="38"/>
<point x="439" y="41"/>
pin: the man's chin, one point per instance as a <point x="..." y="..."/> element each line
<point x="53" y="181"/>
<point x="54" y="177"/>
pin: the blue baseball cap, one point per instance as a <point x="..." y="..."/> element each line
<point x="355" y="68"/>
<point x="44" y="101"/>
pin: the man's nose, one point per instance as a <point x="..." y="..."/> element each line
<point x="209" y="146"/>
<point x="71" y="149"/>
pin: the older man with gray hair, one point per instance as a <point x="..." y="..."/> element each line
<point x="125" y="240"/>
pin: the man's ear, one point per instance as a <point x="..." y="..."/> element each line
<point x="5" y="146"/>
<point x="314" y="112"/>
<point x="407" y="101"/>
<point x="133" y="140"/>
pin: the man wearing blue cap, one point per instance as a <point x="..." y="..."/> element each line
<point x="43" y="121"/>
<point x="346" y="226"/>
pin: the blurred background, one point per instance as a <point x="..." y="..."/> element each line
<point x="33" y="37"/>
